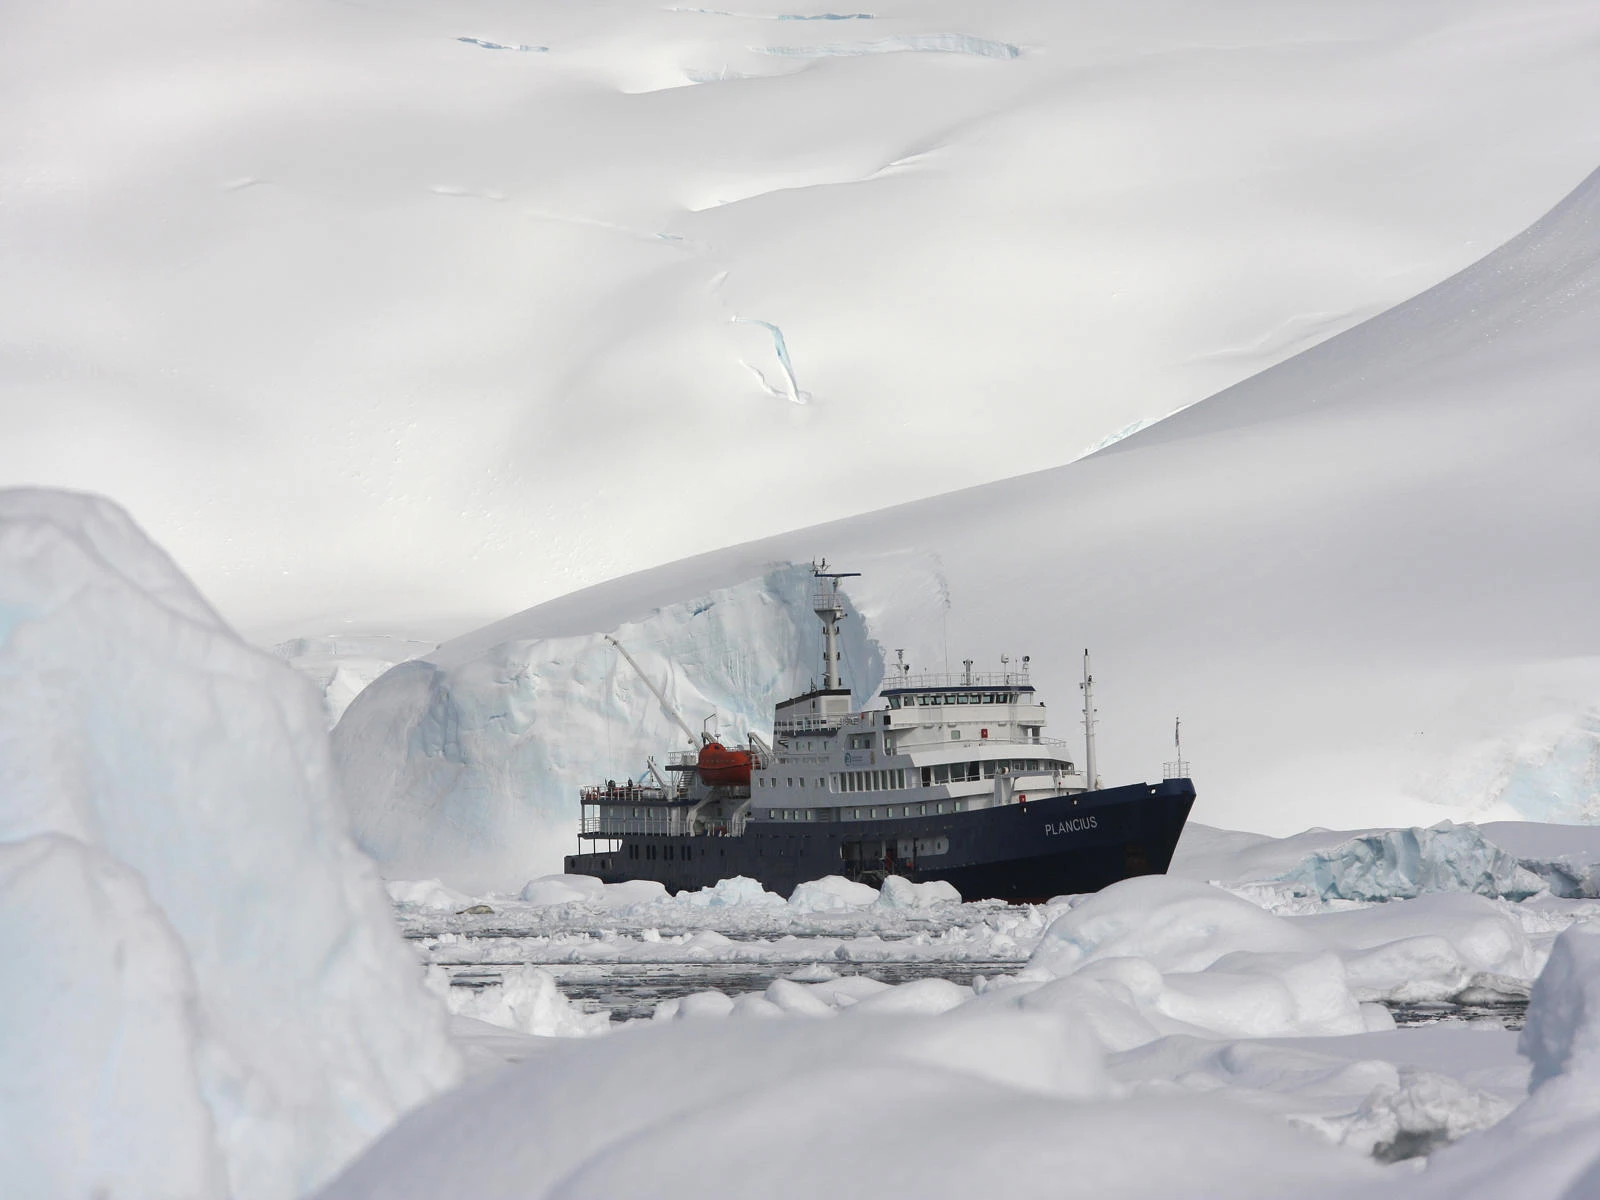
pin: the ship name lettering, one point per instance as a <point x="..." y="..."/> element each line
<point x="1071" y="825"/>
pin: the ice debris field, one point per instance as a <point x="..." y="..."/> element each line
<point x="1261" y="974"/>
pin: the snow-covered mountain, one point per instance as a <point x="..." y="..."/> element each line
<point x="392" y="317"/>
<point x="1364" y="578"/>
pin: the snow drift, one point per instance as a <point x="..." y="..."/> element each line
<point x="206" y="995"/>
<point x="915" y="1106"/>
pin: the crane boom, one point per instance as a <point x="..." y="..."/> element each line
<point x="666" y="705"/>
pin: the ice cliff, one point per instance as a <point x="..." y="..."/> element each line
<point x="1399" y="864"/>
<point x="464" y="765"/>
<point x="205" y="995"/>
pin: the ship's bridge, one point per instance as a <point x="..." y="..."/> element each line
<point x="965" y="687"/>
<point x="933" y="709"/>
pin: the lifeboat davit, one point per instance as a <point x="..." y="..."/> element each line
<point x="719" y="765"/>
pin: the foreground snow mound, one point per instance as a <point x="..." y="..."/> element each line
<point x="207" y="994"/>
<point x="525" y="999"/>
<point x="1545" y="1149"/>
<point x="1174" y="924"/>
<point x="1562" y="1034"/>
<point x="85" y="1109"/>
<point x="952" y="1106"/>
<point x="465" y="764"/>
<point x="1153" y="956"/>
<point x="1398" y="864"/>
<point x="1446" y="946"/>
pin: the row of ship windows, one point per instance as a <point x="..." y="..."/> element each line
<point x="929" y="809"/>
<point x="895" y="778"/>
<point x="953" y="698"/>
<point x="649" y="852"/>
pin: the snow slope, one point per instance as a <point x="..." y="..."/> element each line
<point x="204" y="992"/>
<point x="1360" y="576"/>
<point x="394" y="318"/>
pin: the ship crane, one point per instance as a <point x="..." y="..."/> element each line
<point x="666" y="705"/>
<point x="715" y="763"/>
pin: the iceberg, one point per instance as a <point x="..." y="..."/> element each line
<point x="1399" y="864"/>
<point x="463" y="765"/>
<point x="175" y="860"/>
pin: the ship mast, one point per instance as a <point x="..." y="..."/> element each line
<point x="1088" y="725"/>
<point x="829" y="607"/>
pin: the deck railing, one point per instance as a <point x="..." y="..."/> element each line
<point x="954" y="680"/>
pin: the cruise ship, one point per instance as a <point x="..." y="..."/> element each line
<point x="950" y="776"/>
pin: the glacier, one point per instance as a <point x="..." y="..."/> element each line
<point x="1151" y="195"/>
<point x="205" y="995"/>
<point x="463" y="765"/>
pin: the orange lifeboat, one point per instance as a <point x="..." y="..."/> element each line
<point x="719" y="765"/>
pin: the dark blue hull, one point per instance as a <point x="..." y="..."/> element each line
<point x="1017" y="852"/>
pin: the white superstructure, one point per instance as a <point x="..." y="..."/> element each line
<point x="940" y="743"/>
